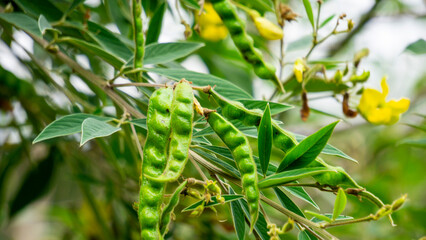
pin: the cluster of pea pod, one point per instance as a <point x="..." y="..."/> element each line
<point x="236" y="27"/>
<point x="169" y="123"/>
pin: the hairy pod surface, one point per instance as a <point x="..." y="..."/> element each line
<point x="182" y="113"/>
<point x="154" y="162"/>
<point x="240" y="148"/>
<point x="236" y="27"/>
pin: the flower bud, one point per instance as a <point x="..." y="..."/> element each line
<point x="399" y="202"/>
<point x="266" y="28"/>
<point x="350" y="24"/>
<point x="288" y="226"/>
<point x="298" y="69"/>
<point x="360" y="78"/>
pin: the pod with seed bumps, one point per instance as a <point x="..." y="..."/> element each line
<point x="228" y="13"/>
<point x="155" y="159"/>
<point x="182" y="113"/>
<point x="241" y="151"/>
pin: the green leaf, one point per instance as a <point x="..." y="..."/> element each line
<point x="308" y="9"/>
<point x="140" y="123"/>
<point x="265" y="139"/>
<point x="90" y="48"/>
<point x="260" y="104"/>
<point x="328" y="149"/>
<point x="66" y="125"/>
<point x="319" y="216"/>
<point x="305" y="235"/>
<point x="287" y="202"/>
<point x="261" y="226"/>
<point x="417" y="47"/>
<point x="414" y="142"/>
<point x="307" y="150"/>
<point x="109" y="41"/>
<point x="157" y="53"/>
<point x="290" y="176"/>
<point x="238" y="217"/>
<point x="326" y="21"/>
<point x="44" y="25"/>
<point x="35" y="183"/>
<point x="339" y="204"/>
<point x="73" y="5"/>
<point x="300" y="193"/>
<point x="155" y="24"/>
<point x="226" y="167"/>
<point x="36" y="8"/>
<point x="213" y="202"/>
<point x="22" y="21"/>
<point x="93" y="128"/>
<point x="191" y="4"/>
<point x="225" y="88"/>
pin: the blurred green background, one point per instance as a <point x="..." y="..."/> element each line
<point x="58" y="190"/>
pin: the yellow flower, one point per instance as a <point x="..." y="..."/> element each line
<point x="376" y="110"/>
<point x="298" y="69"/>
<point x="266" y="28"/>
<point x="211" y="26"/>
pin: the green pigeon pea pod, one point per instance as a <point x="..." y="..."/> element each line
<point x="138" y="33"/>
<point x="236" y="27"/>
<point x="182" y="113"/>
<point x="154" y="162"/>
<point x="241" y="151"/>
<point x="167" y="212"/>
<point x="283" y="140"/>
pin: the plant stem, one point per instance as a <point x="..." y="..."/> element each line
<point x="340" y="223"/>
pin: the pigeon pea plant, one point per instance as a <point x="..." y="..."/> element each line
<point x="158" y="132"/>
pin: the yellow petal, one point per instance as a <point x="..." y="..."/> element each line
<point x="399" y="106"/>
<point x="298" y="69"/>
<point x="213" y="33"/>
<point x="370" y="100"/>
<point x="380" y="116"/>
<point x="385" y="86"/>
<point x="267" y="29"/>
<point x="210" y="16"/>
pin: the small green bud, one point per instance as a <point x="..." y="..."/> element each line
<point x="360" y="78"/>
<point x="360" y="55"/>
<point x="288" y="226"/>
<point x="399" y="202"/>
<point x="338" y="76"/>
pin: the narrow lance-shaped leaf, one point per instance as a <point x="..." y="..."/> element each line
<point x="154" y="28"/>
<point x="290" y="176"/>
<point x="260" y="104"/>
<point x="238" y="217"/>
<point x="307" y="150"/>
<point x="265" y="139"/>
<point x="93" y="128"/>
<point x="157" y="53"/>
<point x="339" y="204"/>
<point x="308" y="9"/>
<point x="66" y="125"/>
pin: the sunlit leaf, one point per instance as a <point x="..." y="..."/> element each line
<point x="66" y="125"/>
<point x="92" y="128"/>
<point x="290" y="176"/>
<point x="264" y="139"/>
<point x="339" y="204"/>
